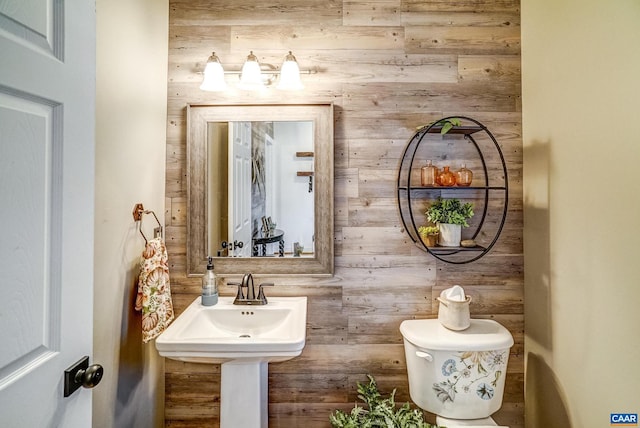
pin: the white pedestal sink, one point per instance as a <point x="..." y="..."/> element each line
<point x="244" y="339"/>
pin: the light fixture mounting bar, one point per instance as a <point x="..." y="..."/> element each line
<point x="274" y="72"/>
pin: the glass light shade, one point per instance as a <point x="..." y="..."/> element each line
<point x="213" y="75"/>
<point x="290" y="74"/>
<point x="251" y="76"/>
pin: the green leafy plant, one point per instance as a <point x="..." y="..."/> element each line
<point x="380" y="412"/>
<point x="428" y="230"/>
<point x="450" y="211"/>
<point x="447" y="124"/>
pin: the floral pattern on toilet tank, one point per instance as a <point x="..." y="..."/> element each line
<point x="474" y="372"/>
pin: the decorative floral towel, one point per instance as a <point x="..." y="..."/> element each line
<point x="154" y="291"/>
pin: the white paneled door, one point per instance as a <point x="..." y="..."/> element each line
<point x="47" y="98"/>
<point x="240" y="187"/>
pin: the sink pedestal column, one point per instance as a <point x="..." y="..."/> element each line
<point x="244" y="394"/>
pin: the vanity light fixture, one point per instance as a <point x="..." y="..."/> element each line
<point x="213" y="75"/>
<point x="251" y="75"/>
<point x="254" y="75"/>
<point x="290" y="74"/>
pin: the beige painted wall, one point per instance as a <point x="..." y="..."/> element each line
<point x="130" y="163"/>
<point x="581" y="88"/>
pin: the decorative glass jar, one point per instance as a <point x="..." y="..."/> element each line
<point x="464" y="176"/>
<point x="446" y="178"/>
<point x="429" y="174"/>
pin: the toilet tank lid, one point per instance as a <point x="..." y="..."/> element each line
<point x="482" y="335"/>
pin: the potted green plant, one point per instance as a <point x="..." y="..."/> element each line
<point x="451" y="216"/>
<point x="429" y="235"/>
<point x="380" y="412"/>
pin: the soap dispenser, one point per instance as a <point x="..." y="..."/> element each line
<point x="209" y="286"/>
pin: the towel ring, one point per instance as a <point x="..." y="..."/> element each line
<point x="138" y="211"/>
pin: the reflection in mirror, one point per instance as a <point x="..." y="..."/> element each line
<point x="253" y="176"/>
<point x="260" y="188"/>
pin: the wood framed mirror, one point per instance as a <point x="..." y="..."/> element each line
<point x="260" y="189"/>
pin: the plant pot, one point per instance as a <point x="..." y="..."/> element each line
<point x="450" y="235"/>
<point x="430" y="240"/>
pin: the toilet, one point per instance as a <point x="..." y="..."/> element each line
<point x="457" y="375"/>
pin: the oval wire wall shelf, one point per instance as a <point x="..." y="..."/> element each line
<point x="483" y="190"/>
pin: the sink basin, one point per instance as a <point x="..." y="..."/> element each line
<point x="227" y="332"/>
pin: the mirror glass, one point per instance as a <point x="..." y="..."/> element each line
<point x="260" y="188"/>
<point x="255" y="170"/>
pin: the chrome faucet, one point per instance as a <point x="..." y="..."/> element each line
<point x="250" y="298"/>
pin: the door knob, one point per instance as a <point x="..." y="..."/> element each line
<point x="81" y="374"/>
<point x="90" y="377"/>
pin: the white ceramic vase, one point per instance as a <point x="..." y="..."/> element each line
<point x="450" y="235"/>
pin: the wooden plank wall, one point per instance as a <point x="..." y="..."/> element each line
<point x="388" y="66"/>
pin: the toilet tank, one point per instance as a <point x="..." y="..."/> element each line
<point x="456" y="374"/>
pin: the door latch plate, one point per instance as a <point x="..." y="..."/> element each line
<point x="71" y="381"/>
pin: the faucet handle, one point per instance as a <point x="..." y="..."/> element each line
<point x="261" y="295"/>
<point x="239" y="294"/>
